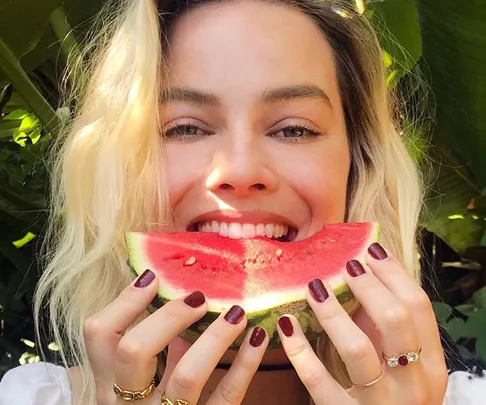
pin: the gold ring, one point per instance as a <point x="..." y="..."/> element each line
<point x="167" y="401"/>
<point x="133" y="395"/>
<point x="402" y="359"/>
<point x="369" y="384"/>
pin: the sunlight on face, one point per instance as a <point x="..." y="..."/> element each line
<point x="254" y="119"/>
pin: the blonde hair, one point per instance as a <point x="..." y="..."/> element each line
<point x="107" y="176"/>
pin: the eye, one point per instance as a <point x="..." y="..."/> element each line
<point x="185" y="130"/>
<point x="295" y="133"/>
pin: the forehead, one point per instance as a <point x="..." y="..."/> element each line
<point x="249" y="43"/>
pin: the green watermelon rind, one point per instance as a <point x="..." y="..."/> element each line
<point x="265" y="318"/>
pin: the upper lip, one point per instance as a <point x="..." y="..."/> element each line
<point x="246" y="217"/>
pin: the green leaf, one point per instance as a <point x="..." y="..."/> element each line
<point x="26" y="239"/>
<point x="479" y="299"/>
<point x="450" y="192"/>
<point x="23" y="22"/>
<point x="16" y="115"/>
<point x="396" y="22"/>
<point x="442" y="312"/>
<point x="8" y="128"/>
<point x="454" y="43"/>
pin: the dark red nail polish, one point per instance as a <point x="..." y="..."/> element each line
<point x="196" y="299"/>
<point x="235" y="315"/>
<point x="377" y="251"/>
<point x="318" y="291"/>
<point x="355" y="268"/>
<point x="145" y="279"/>
<point x="257" y="336"/>
<point x="286" y="325"/>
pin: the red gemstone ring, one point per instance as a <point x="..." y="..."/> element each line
<point x="402" y="359"/>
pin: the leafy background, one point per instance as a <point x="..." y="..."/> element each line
<point x="436" y="55"/>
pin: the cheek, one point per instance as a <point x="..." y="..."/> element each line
<point x="321" y="180"/>
<point x="185" y="166"/>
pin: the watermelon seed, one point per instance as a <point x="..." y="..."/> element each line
<point x="190" y="261"/>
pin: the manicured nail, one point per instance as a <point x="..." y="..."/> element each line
<point x="355" y="268"/>
<point x="145" y="279"/>
<point x="257" y="336"/>
<point x="235" y="315"/>
<point x="196" y="299"/>
<point x="318" y="291"/>
<point x="286" y="325"/>
<point x="377" y="251"/>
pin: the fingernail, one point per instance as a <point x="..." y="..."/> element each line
<point x="235" y="315"/>
<point x="377" y="251"/>
<point x="318" y="291"/>
<point x="286" y="325"/>
<point x="355" y="268"/>
<point x="145" y="279"/>
<point x="257" y="336"/>
<point x="196" y="299"/>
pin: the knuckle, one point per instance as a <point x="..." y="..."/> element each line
<point x="396" y="318"/>
<point x="184" y="381"/>
<point x="92" y="328"/>
<point x="129" y="352"/>
<point x="313" y="378"/>
<point x="418" y="397"/>
<point x="230" y="393"/>
<point x="358" y="351"/>
<point x="297" y="350"/>
<point x="420" y="302"/>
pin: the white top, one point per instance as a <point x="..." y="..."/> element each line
<point x="47" y="384"/>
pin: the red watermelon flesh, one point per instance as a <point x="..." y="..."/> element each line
<point x="265" y="276"/>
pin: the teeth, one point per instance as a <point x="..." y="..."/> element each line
<point x="260" y="230"/>
<point x="248" y="231"/>
<point x="269" y="230"/>
<point x="224" y="229"/>
<point x="236" y="230"/>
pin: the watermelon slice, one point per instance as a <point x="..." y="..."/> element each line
<point x="266" y="277"/>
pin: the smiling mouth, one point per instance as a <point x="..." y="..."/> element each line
<point x="237" y="230"/>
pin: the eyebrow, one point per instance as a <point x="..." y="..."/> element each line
<point x="269" y="96"/>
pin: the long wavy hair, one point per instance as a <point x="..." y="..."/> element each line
<point x="107" y="168"/>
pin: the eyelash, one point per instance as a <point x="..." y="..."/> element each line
<point x="179" y="129"/>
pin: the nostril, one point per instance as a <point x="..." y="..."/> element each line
<point x="259" y="186"/>
<point x="226" y="186"/>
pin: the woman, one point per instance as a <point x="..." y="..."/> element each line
<point x="238" y="112"/>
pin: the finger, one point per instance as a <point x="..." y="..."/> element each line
<point x="392" y="318"/>
<point x="396" y="326"/>
<point x="194" y="369"/>
<point x="322" y="387"/>
<point x="400" y="282"/>
<point x="136" y="359"/>
<point x="103" y="331"/>
<point x="233" y="386"/>
<point x="392" y="274"/>
<point x="355" y="348"/>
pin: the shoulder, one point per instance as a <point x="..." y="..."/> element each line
<point x="37" y="383"/>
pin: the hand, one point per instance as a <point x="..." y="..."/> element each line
<point x="405" y="320"/>
<point x="130" y="357"/>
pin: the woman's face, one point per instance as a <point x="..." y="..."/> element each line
<point x="256" y="135"/>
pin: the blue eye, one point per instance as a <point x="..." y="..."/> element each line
<point x="295" y="133"/>
<point x="185" y="130"/>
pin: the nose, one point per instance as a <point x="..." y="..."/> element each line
<point x="241" y="170"/>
